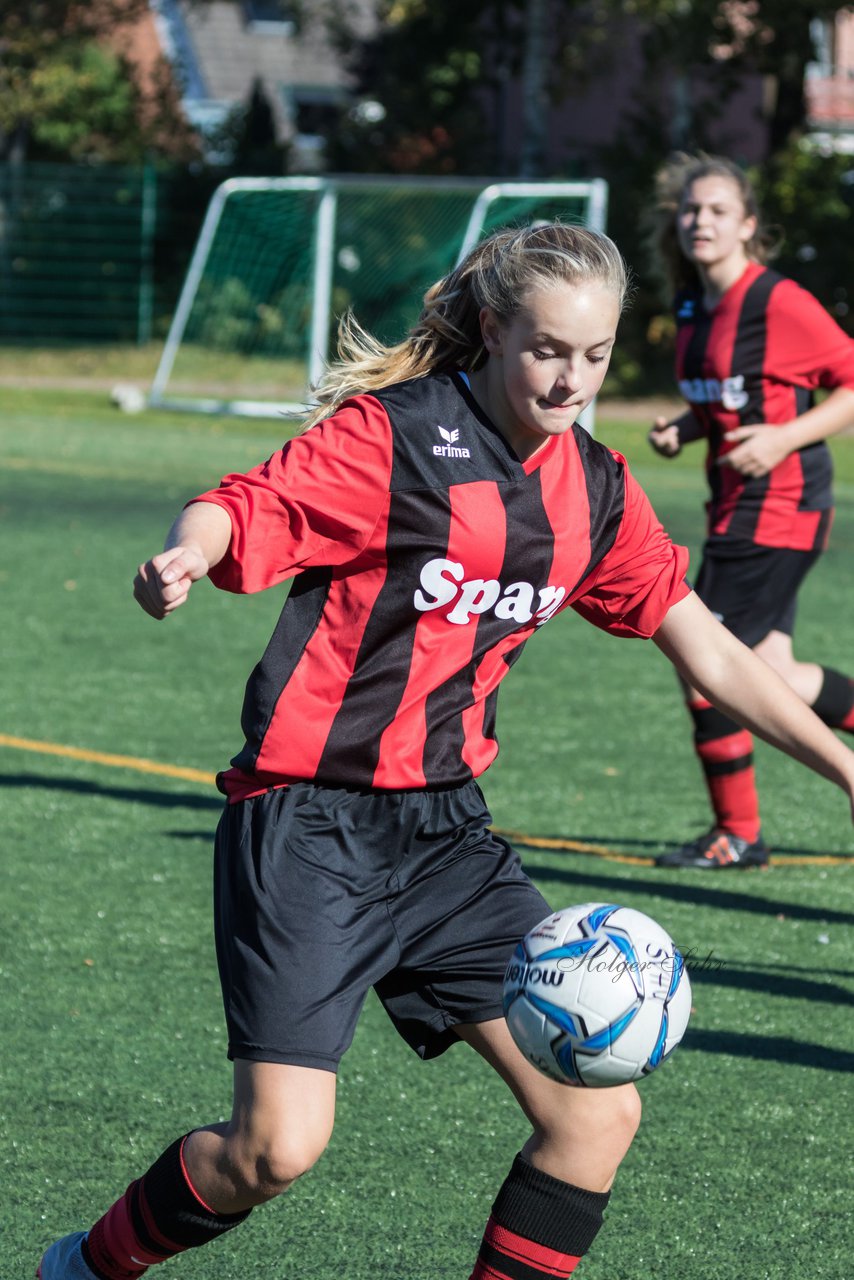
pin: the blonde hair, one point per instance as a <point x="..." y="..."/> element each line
<point x="497" y="273"/>
<point x="671" y="184"/>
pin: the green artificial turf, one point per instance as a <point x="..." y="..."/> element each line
<point x="114" y="1041"/>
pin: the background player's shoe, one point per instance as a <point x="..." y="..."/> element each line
<point x="717" y="850"/>
<point x="64" y="1261"/>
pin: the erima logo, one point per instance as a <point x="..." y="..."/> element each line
<point x="444" y="581"/>
<point x="729" y="392"/>
<point x="686" y="310"/>
<point x="451" y="449"/>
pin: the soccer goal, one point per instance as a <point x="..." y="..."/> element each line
<point x="278" y="260"/>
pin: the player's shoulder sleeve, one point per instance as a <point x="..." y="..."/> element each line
<point x="805" y="344"/>
<point x="641" y="576"/>
<point x="314" y="503"/>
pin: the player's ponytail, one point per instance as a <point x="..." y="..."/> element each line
<point x="497" y="273"/>
<point x="676" y="272"/>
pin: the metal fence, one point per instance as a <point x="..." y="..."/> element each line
<point x="76" y="253"/>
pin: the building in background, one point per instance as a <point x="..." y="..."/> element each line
<point x="830" y="84"/>
<point x="226" y="51"/>
<point x="289" y="58"/>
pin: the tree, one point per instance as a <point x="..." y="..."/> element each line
<point x="433" y="83"/>
<point x="67" y="91"/>
<point x="770" y="38"/>
<point x="434" y="78"/>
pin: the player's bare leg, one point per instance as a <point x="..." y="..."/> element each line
<point x="725" y="751"/>
<point x="830" y="693"/>
<point x="206" y="1183"/>
<point x="549" y="1208"/>
<point x="281" y="1122"/>
<point x="805" y="678"/>
<point x="580" y="1135"/>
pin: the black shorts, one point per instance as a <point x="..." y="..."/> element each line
<point x="753" y="590"/>
<point x="322" y="893"/>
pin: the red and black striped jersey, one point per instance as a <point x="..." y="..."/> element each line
<point x="757" y="357"/>
<point x="425" y="554"/>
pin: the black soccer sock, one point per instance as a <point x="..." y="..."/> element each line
<point x="159" y="1215"/>
<point x="835" y="702"/>
<point x="539" y="1227"/>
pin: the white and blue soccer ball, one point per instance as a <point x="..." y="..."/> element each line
<point x="597" y="995"/>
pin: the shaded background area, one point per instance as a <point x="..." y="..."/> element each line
<point x="118" y="120"/>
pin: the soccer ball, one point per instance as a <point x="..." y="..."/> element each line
<point x="128" y="398"/>
<point x="597" y="995"/>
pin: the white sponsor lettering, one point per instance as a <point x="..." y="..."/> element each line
<point x="733" y="394"/>
<point x="476" y="596"/>
<point x="517" y="602"/>
<point x="551" y="599"/>
<point x="434" y="582"/>
<point x="443" y="582"/>
<point x="729" y="392"/>
<point x="450" y="449"/>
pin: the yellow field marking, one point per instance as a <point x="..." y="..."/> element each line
<point x="558" y="843"/>
<point x="102" y="757"/>
<point x="572" y="846"/>
<point x="602" y="851"/>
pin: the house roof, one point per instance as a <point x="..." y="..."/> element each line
<point x="227" y="54"/>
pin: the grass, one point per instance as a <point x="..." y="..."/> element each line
<point x="197" y="371"/>
<point x="113" y="1029"/>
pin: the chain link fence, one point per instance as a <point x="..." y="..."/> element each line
<point x="77" y="253"/>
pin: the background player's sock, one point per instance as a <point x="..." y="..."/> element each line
<point x="539" y="1227"/>
<point x="158" y="1216"/>
<point x="835" y="701"/>
<point x="726" y="755"/>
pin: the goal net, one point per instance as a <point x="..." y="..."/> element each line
<point x="278" y="261"/>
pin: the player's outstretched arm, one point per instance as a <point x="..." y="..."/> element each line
<point x="197" y="541"/>
<point x="712" y="660"/>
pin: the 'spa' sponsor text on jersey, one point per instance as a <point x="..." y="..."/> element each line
<point x="445" y="580"/>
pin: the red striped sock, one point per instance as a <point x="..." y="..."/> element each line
<point x="725" y="751"/>
<point x="508" y="1252"/>
<point x="539" y="1228"/>
<point x="159" y="1215"/>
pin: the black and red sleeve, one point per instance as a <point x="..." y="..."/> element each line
<point x="315" y="502"/>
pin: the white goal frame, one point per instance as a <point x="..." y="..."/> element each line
<point x="594" y="191"/>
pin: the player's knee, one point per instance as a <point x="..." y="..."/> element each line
<point x="618" y="1117"/>
<point x="279" y="1165"/>
<point x="606" y="1118"/>
<point x="268" y="1167"/>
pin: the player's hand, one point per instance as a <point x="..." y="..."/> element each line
<point x="759" y="449"/>
<point x="664" y="438"/>
<point x="163" y="583"/>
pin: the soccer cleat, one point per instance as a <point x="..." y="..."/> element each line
<point x="64" y="1261"/>
<point x="717" y="850"/>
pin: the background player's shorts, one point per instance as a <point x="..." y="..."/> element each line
<point x="753" y="590"/>
<point x="322" y="893"/>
